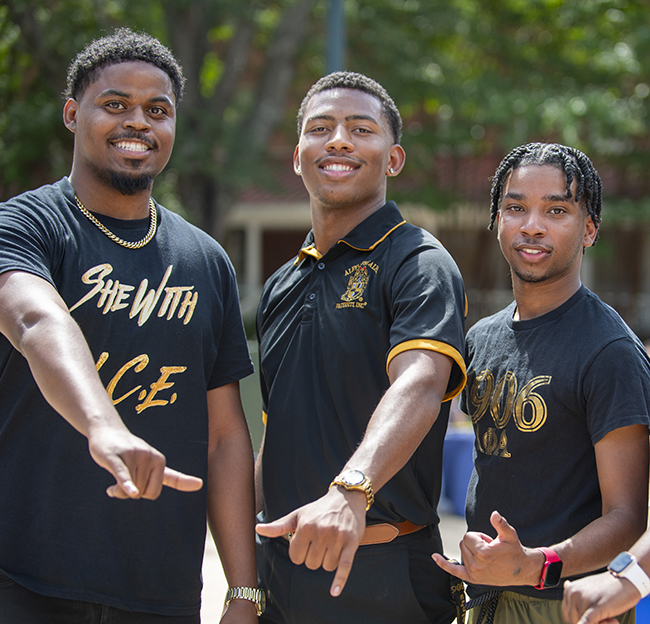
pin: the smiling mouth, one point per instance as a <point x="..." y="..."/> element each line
<point x="132" y="146"/>
<point x="338" y="167"/>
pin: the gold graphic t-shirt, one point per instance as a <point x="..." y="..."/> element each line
<point x="164" y="326"/>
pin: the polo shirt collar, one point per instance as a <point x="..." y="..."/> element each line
<point x="366" y="236"/>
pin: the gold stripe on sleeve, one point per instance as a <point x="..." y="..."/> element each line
<point x="438" y="347"/>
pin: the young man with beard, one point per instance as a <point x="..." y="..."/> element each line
<point x="124" y="319"/>
<point x="360" y="345"/>
<point x="558" y="391"/>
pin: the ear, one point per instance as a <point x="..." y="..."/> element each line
<point x="591" y="231"/>
<point x="296" y="161"/>
<point x="396" y="160"/>
<point x="70" y="109"/>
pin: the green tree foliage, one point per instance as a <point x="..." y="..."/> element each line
<point x="239" y="59"/>
<point x="473" y="78"/>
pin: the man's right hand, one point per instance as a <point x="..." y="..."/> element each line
<point x="138" y="468"/>
<point x="325" y="533"/>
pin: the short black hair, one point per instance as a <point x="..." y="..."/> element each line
<point x="575" y="164"/>
<point x="352" y="80"/>
<point x="122" y="46"/>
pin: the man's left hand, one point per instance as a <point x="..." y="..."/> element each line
<point x="500" y="561"/>
<point x="597" y="599"/>
<point x="325" y="533"/>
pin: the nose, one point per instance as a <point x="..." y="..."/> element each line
<point x="137" y="120"/>
<point x="532" y="224"/>
<point x="340" y="139"/>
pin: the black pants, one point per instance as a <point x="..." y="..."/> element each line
<point x="19" y="605"/>
<point x="394" y="583"/>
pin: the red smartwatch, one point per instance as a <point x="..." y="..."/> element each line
<point x="552" y="570"/>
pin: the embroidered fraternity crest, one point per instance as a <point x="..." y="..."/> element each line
<point x="356" y="284"/>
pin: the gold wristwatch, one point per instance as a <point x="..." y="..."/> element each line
<point x="255" y="595"/>
<point x="356" y="480"/>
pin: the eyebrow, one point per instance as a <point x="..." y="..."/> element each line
<point x="548" y="198"/>
<point x="348" y="118"/>
<point x="118" y="93"/>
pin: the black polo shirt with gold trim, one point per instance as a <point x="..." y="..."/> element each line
<point x="328" y="327"/>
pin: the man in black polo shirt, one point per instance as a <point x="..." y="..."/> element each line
<point x="360" y="343"/>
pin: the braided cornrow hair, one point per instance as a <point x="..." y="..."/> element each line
<point x="575" y="165"/>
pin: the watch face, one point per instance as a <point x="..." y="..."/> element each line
<point x="553" y="574"/>
<point x="620" y="562"/>
<point x="352" y="477"/>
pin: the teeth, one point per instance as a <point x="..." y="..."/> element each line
<point x="132" y="146"/>
<point x="532" y="251"/>
<point x="337" y="167"/>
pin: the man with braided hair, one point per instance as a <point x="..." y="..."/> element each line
<point x="558" y="391"/>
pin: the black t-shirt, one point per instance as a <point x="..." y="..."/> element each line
<point x="328" y="328"/>
<point x="541" y="393"/>
<point x="164" y="326"/>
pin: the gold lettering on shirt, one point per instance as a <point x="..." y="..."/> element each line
<point x="159" y="385"/>
<point x="526" y="407"/>
<point x="113" y="296"/>
<point x="144" y="305"/>
<point x="137" y="365"/>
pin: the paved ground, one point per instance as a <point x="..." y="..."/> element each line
<point x="452" y="528"/>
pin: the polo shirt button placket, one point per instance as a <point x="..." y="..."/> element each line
<point x="312" y="296"/>
<point x="321" y="265"/>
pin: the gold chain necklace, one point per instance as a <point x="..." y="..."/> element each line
<point x="153" y="224"/>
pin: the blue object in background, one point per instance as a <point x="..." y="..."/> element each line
<point x="643" y="611"/>
<point x="457" y="466"/>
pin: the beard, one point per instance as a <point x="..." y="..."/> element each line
<point x="130" y="184"/>
<point x="126" y="183"/>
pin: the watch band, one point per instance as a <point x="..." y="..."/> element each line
<point x="355" y="480"/>
<point x="552" y="570"/>
<point x="254" y="594"/>
<point x="634" y="573"/>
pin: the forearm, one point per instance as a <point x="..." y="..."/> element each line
<point x="37" y="323"/>
<point x="65" y="373"/>
<point x="622" y="464"/>
<point x="399" y="424"/>
<point x="599" y="542"/>
<point x="231" y="514"/>
<point x="590" y="549"/>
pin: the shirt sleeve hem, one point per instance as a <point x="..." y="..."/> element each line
<point x="438" y="347"/>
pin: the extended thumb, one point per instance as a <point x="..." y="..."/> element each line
<point x="275" y="529"/>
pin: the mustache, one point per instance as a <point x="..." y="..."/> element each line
<point x="342" y="157"/>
